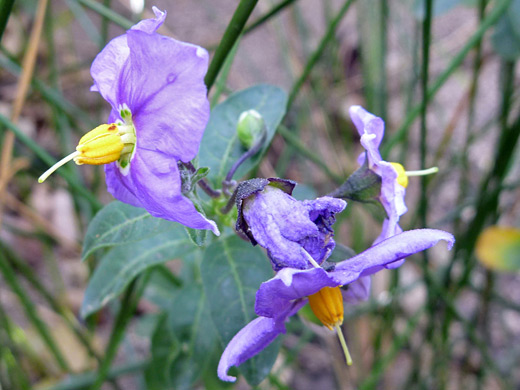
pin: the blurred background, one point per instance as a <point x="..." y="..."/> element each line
<point x="442" y="74"/>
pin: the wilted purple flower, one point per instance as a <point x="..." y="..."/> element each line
<point x="282" y="296"/>
<point x="393" y="179"/>
<point x="289" y="229"/>
<point x="155" y="85"/>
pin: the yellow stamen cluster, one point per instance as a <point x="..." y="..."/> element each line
<point x="102" y="145"/>
<point x="402" y="177"/>
<point x="105" y="144"/>
<point x="327" y="305"/>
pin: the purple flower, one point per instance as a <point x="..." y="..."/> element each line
<point x="282" y="296"/>
<point x="155" y="85"/>
<point x="289" y="229"/>
<point x="393" y="179"/>
<point x="160" y="82"/>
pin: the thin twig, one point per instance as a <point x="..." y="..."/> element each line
<point x="21" y="92"/>
<point x="228" y="182"/>
<point x="203" y="183"/>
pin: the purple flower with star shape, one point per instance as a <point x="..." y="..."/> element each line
<point x="292" y="231"/>
<point x="155" y="85"/>
<point x="282" y="296"/>
<point x="371" y="130"/>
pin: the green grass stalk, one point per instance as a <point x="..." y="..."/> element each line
<point x="231" y="35"/>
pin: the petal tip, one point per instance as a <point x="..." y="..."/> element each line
<point x="226" y="378"/>
<point x="158" y="13"/>
<point x="353" y="110"/>
<point x="214" y="228"/>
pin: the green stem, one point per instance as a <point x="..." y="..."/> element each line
<point x="63" y="311"/>
<point x="220" y="84"/>
<point x="30" y="310"/>
<point x="303" y="150"/>
<point x="232" y="33"/>
<point x="104" y="25"/>
<point x="316" y="55"/>
<point x="499" y="9"/>
<point x="380" y="366"/>
<point x="82" y="17"/>
<point x="107" y="13"/>
<point x="470" y="332"/>
<point x="5" y="12"/>
<point x="264" y="18"/>
<point x="465" y="164"/>
<point x="423" y="202"/>
<point x="128" y="306"/>
<point x="490" y="188"/>
<point x="383" y="34"/>
<point x="12" y="375"/>
<point x="426" y="37"/>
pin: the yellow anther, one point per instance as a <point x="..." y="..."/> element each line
<point x="327" y="305"/>
<point x="103" y="145"/>
<point x="402" y="177"/>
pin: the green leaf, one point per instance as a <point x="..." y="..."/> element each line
<point x="160" y="287"/>
<point x="341" y="252"/>
<point x="232" y="270"/>
<point x="119" y="224"/>
<point x="220" y="146"/>
<point x="123" y="263"/>
<point x="190" y="320"/>
<point x="197" y="236"/>
<point x="362" y="186"/>
<point x="498" y="248"/>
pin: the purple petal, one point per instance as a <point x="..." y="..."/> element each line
<point x="153" y="182"/>
<point x="151" y="25"/>
<point x="392" y="199"/>
<point x="248" y="342"/>
<point x="106" y="67"/>
<point x="108" y="63"/>
<point x="357" y="291"/>
<point x="273" y="298"/>
<point x="168" y="101"/>
<point x="371" y="130"/>
<point x="387" y="252"/>
<point x="287" y="227"/>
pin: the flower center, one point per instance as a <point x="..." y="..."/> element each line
<point x="105" y="144"/>
<point x="327" y="305"/>
<point x="402" y="175"/>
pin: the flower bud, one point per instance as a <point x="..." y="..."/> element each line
<point x="249" y="127"/>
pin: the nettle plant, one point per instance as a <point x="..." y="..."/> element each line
<point x="173" y="167"/>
